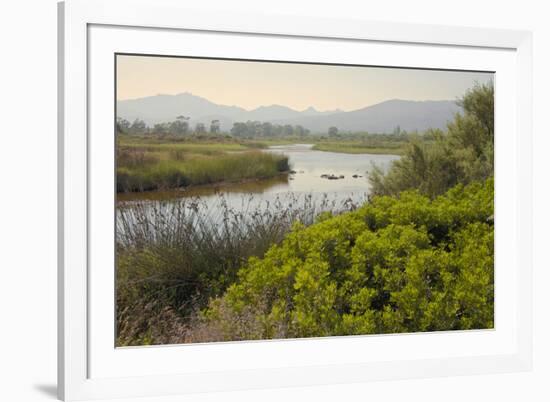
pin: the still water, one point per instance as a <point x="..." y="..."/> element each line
<point x="308" y="167"/>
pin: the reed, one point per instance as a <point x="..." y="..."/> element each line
<point x="141" y="170"/>
<point x="173" y="257"/>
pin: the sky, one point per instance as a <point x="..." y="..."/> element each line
<point x="250" y="84"/>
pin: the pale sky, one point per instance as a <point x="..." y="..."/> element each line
<point x="250" y="84"/>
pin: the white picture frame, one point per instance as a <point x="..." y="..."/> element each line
<point x="90" y="32"/>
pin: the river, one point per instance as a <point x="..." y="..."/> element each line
<point x="307" y="180"/>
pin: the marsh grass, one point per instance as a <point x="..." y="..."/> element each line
<point x="140" y="169"/>
<point x="173" y="257"/>
<point x="385" y="148"/>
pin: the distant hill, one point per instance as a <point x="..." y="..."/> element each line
<point x="380" y="118"/>
<point x="385" y="117"/>
<point x="163" y="108"/>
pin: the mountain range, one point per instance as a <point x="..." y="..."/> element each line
<point x="382" y="117"/>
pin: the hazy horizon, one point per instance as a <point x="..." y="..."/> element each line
<point x="252" y="84"/>
<point x="278" y="104"/>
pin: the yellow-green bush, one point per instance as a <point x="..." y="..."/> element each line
<point x="398" y="264"/>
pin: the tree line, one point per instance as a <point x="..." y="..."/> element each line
<point x="248" y="129"/>
<point x="179" y="127"/>
<point x="183" y="127"/>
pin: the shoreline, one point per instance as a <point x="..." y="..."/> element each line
<point x="205" y="188"/>
<point x="359" y="151"/>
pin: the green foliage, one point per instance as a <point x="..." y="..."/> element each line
<point x="370" y="143"/>
<point x="176" y="166"/>
<point x="397" y="264"/>
<point x="258" y="129"/>
<point x="173" y="257"/>
<point x="462" y="155"/>
<point x="417" y="257"/>
<point x="355" y="147"/>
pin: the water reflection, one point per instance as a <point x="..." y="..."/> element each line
<point x="209" y="190"/>
<point x="307" y="183"/>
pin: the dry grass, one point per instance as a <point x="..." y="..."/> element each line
<point x="172" y="258"/>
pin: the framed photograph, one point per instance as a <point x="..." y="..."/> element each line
<point x="254" y="201"/>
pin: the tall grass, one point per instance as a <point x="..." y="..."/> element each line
<point x="198" y="148"/>
<point x="173" y="257"/>
<point x="386" y="148"/>
<point x="139" y="170"/>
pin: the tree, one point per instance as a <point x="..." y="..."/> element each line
<point x="479" y="102"/>
<point x="181" y="125"/>
<point x="254" y="129"/>
<point x="138" y="127"/>
<point x="122" y="126"/>
<point x="300" y="131"/>
<point x="333" y="131"/>
<point x="239" y="129"/>
<point x="462" y="155"/>
<point x="267" y="129"/>
<point x="200" y="128"/>
<point x="161" y="128"/>
<point x="215" y="126"/>
<point x="288" y="130"/>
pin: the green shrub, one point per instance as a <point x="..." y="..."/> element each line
<point x="462" y="155"/>
<point x="398" y="264"/>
